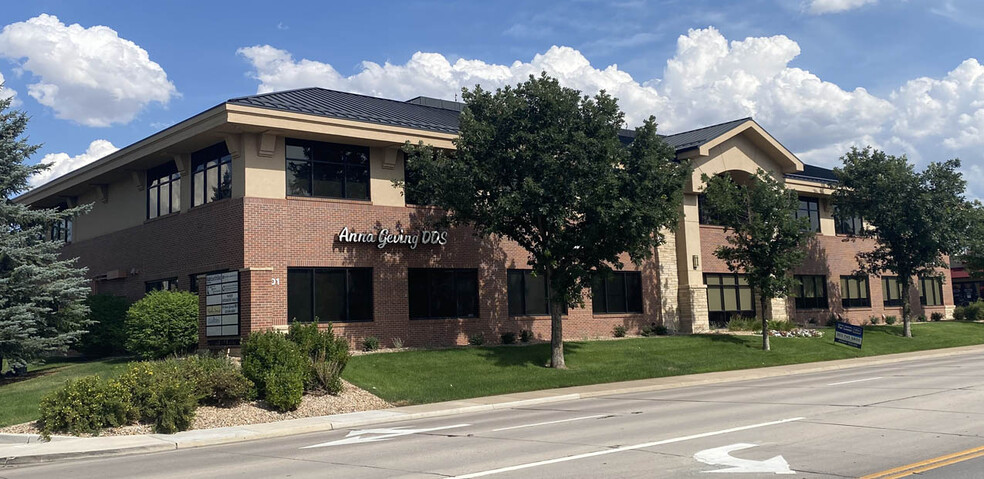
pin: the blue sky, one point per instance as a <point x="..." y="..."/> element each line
<point x="821" y="75"/>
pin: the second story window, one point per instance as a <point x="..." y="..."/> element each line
<point x="163" y="190"/>
<point x="810" y="208"/>
<point x="847" y="225"/>
<point x="61" y="230"/>
<point x="211" y="174"/>
<point x="327" y="170"/>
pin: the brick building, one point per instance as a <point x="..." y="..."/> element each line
<point x="283" y="205"/>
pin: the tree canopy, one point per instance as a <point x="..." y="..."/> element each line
<point x="917" y="218"/>
<point x="41" y="295"/>
<point x="544" y="166"/>
<point x="766" y="240"/>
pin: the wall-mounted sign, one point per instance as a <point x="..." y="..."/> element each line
<point x="384" y="237"/>
<point x="222" y="304"/>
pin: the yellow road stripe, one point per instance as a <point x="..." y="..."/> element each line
<point x="928" y="464"/>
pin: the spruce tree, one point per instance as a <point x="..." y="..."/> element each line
<point x="41" y="294"/>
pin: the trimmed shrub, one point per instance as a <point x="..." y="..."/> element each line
<point x="661" y="330"/>
<point x="921" y="318"/>
<point x="284" y="387"/>
<point x="370" y="343"/>
<point x="874" y="320"/>
<point x="648" y="330"/>
<point x="476" y="339"/>
<point x="618" y="331"/>
<point x="170" y="404"/>
<point x="890" y="320"/>
<point x="974" y="311"/>
<point x="508" y="337"/>
<point x="739" y="323"/>
<point x="163" y="323"/>
<point x="526" y="335"/>
<point x="266" y="353"/>
<point x="959" y="313"/>
<point x="85" y="406"/>
<point x="832" y="321"/>
<point x="217" y="380"/>
<point x="107" y="333"/>
<point x="327" y="354"/>
<point x="937" y="316"/>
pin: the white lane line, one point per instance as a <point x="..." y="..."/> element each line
<point x="548" y="422"/>
<point x="621" y="449"/>
<point x="854" y="381"/>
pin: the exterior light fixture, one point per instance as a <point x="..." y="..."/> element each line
<point x="696" y="261"/>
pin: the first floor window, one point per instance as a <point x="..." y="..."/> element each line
<point x="163" y="190"/>
<point x="211" y="177"/>
<point x="170" y="284"/>
<point x="443" y="293"/>
<point x="728" y="295"/>
<point x="617" y="292"/>
<point x="854" y="292"/>
<point x="811" y="292"/>
<point x="931" y="291"/>
<point x="329" y="294"/>
<point x="891" y="291"/>
<point x="528" y="293"/>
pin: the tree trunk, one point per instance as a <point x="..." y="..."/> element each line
<point x="765" y="325"/>
<point x="906" y="307"/>
<point x="556" y="328"/>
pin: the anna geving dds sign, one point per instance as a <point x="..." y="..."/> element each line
<point x="385" y="237"/>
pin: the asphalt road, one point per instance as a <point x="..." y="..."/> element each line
<point x="847" y="423"/>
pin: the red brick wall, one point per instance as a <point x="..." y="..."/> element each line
<point x="833" y="257"/>
<point x="301" y="232"/>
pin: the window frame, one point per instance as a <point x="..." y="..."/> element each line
<point x="61" y="230"/>
<point x="605" y="281"/>
<point x="201" y="163"/>
<point x="819" y="300"/>
<point x="724" y="314"/>
<point x="167" y="284"/>
<point x="847" y="226"/>
<point x="430" y="274"/>
<point x="338" y="150"/>
<point x="887" y="300"/>
<point x="809" y="200"/>
<point x="526" y="275"/>
<point x="157" y="178"/>
<point x="348" y="292"/>
<point x="851" y="303"/>
<point x="937" y="291"/>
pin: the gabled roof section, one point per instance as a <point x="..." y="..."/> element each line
<point x="420" y="113"/>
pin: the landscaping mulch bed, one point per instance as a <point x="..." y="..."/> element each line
<point x="352" y="399"/>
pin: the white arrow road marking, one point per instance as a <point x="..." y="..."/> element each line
<point x="620" y="449"/>
<point x="854" y="381"/>
<point x="719" y="456"/>
<point x="548" y="422"/>
<point x="355" y="437"/>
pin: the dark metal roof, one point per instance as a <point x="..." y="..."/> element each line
<point x="814" y="173"/>
<point x="420" y="113"/>
<point x="695" y="138"/>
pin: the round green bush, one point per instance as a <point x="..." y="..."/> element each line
<point x="163" y="323"/>
<point x="265" y="352"/>
<point x="217" y="380"/>
<point x="284" y="388"/>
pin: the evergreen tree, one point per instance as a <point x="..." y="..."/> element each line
<point x="41" y="295"/>
<point x="544" y="166"/>
<point x="766" y="241"/>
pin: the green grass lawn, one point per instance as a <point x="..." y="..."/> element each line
<point x="415" y="377"/>
<point x="19" y="399"/>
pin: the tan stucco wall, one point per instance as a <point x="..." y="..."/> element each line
<point x="382" y="173"/>
<point x="126" y="206"/>
<point x="735" y="154"/>
<point x="265" y="177"/>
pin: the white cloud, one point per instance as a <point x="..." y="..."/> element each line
<point x="61" y="163"/>
<point x="708" y="80"/>
<point x="820" y="7"/>
<point x="87" y="75"/>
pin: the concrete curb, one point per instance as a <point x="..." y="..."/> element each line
<point x="25" y="449"/>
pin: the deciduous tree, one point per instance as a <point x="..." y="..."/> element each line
<point x="766" y="240"/>
<point x="544" y="166"/>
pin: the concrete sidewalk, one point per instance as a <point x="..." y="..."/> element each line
<point x="27" y="449"/>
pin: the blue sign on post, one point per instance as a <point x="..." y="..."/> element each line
<point x="848" y="334"/>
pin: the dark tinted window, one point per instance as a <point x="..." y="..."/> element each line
<point x="617" y="292"/>
<point x="163" y="190"/>
<point x="811" y="292"/>
<point x="442" y="293"/>
<point x="329" y="294"/>
<point x="327" y="170"/>
<point x="854" y="292"/>
<point x="211" y="177"/>
<point x="528" y="294"/>
<point x="810" y="208"/>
